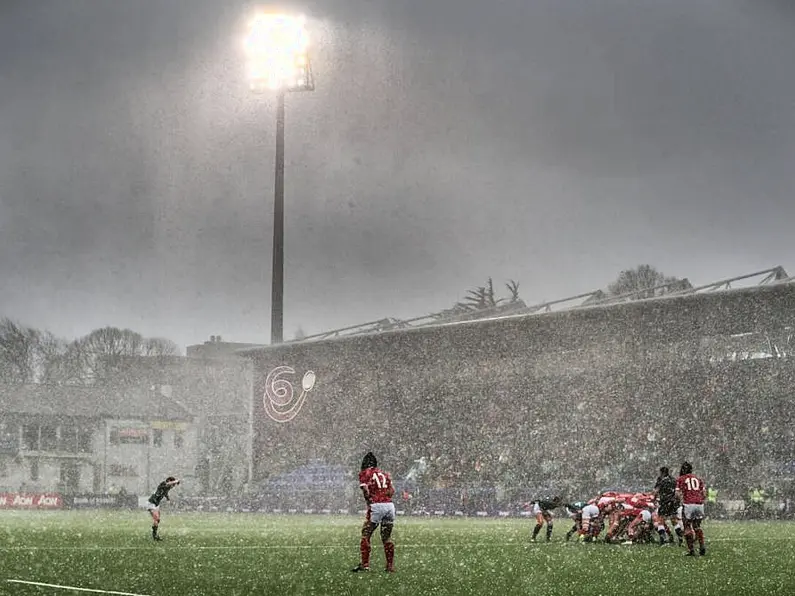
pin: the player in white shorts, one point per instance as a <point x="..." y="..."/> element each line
<point x="153" y="504"/>
<point x="377" y="490"/>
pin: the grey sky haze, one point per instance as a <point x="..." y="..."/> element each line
<point x="553" y="142"/>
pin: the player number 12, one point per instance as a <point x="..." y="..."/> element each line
<point x="380" y="479"/>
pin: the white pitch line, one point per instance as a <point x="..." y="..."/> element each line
<point x="72" y="588"/>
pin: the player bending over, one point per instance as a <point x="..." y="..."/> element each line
<point x="617" y="520"/>
<point x="690" y="488"/>
<point x="377" y="491"/>
<point x="593" y="516"/>
<point x="153" y="504"/>
<point x="639" y="529"/>
<point x="575" y="513"/>
<point x="542" y="509"/>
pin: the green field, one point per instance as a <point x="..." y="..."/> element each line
<point x="237" y="554"/>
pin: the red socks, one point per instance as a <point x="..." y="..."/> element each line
<point x="364" y="548"/>
<point x="389" y="551"/>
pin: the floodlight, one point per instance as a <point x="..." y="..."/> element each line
<point x="277" y="55"/>
<point x="277" y="47"/>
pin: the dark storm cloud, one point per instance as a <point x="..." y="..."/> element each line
<point x="553" y="142"/>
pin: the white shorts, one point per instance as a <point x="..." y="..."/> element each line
<point x="645" y="515"/>
<point x="694" y="511"/>
<point x="590" y="512"/>
<point x="382" y="513"/>
<point x="152" y="507"/>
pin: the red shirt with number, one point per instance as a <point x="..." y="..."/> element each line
<point x="378" y="483"/>
<point x="692" y="489"/>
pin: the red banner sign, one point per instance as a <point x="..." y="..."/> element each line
<point x="30" y="501"/>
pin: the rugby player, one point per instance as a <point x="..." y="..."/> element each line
<point x="153" y="504"/>
<point x="665" y="491"/>
<point x="691" y="490"/>
<point x="594" y="513"/>
<point x="542" y="509"/>
<point x="639" y="528"/>
<point x="575" y="513"/>
<point x="377" y="490"/>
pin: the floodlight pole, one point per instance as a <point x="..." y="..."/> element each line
<point x="277" y="276"/>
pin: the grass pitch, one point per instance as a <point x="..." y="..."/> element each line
<point x="246" y="554"/>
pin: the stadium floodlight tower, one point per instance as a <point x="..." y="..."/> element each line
<point x="277" y="52"/>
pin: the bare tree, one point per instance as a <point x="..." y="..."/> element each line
<point x="102" y="354"/>
<point x="57" y="363"/>
<point x="159" y="346"/>
<point x="18" y="352"/>
<point x="29" y="356"/>
<point x="114" y="355"/>
<point x="645" y="281"/>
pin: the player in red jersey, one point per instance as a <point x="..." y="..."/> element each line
<point x="594" y="514"/>
<point x="617" y="515"/>
<point x="691" y="491"/>
<point x="639" y="528"/>
<point x="377" y="491"/>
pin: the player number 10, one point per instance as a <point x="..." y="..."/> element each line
<point x="692" y="484"/>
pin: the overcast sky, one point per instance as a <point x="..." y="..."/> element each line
<point x="554" y="142"/>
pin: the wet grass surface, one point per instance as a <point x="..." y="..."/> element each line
<point x="242" y="554"/>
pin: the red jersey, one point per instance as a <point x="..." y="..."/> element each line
<point x="378" y="483"/>
<point x="606" y="504"/>
<point x="641" y="500"/>
<point x="632" y="512"/>
<point x="692" y="489"/>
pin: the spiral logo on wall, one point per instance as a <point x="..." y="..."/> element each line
<point x="279" y="402"/>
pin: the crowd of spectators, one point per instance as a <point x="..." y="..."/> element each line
<point x="463" y="435"/>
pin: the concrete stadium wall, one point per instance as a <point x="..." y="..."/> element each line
<point x="583" y="398"/>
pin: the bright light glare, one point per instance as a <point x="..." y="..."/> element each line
<point x="277" y="50"/>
